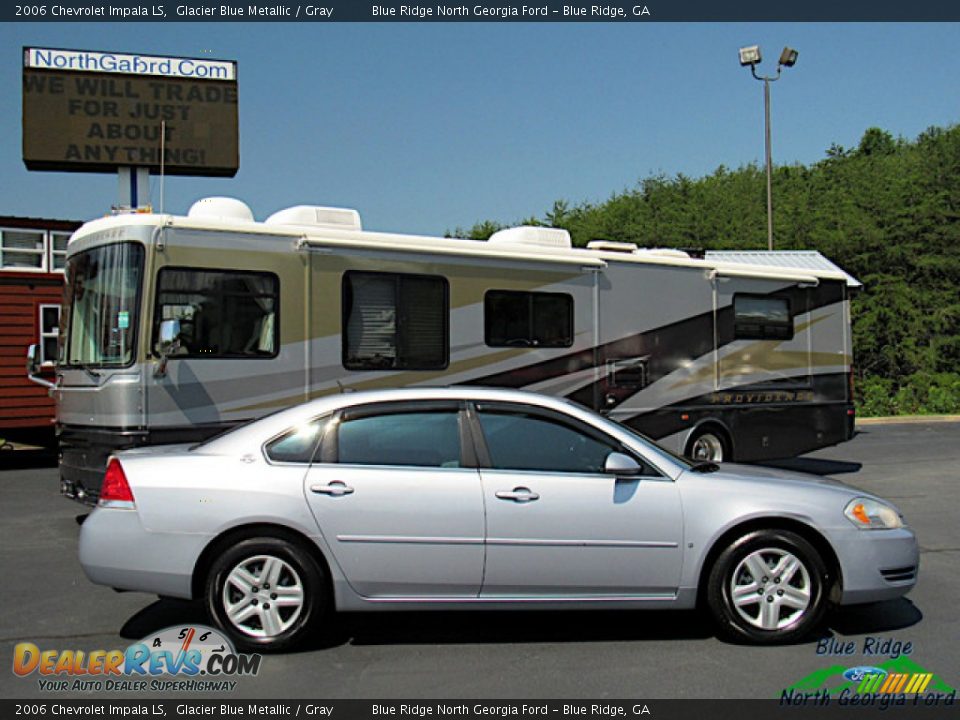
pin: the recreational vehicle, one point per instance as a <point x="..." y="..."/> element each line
<point x="176" y="328"/>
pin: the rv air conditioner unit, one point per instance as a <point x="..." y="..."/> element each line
<point x="612" y="246"/>
<point x="532" y="235"/>
<point x="224" y="209"/>
<point x="331" y="218"/>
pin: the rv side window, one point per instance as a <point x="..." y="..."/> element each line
<point x="759" y="317"/>
<point x="222" y="313"/>
<point x="527" y="319"/>
<point x="395" y="322"/>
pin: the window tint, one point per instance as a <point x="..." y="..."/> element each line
<point x="522" y="441"/>
<point x="298" y="445"/>
<point x="424" y="439"/>
<point x="221" y="313"/>
<point x="395" y="322"/>
<point x="525" y="319"/>
<point x="758" y="317"/>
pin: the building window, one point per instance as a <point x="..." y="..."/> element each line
<point x="395" y="322"/>
<point x="761" y="317"/>
<point x="49" y="331"/>
<point x="528" y="319"/>
<point x="222" y="313"/>
<point x="22" y="249"/>
<point x="58" y="250"/>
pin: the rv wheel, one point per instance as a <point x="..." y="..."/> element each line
<point x="708" y="445"/>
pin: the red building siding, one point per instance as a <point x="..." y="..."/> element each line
<point x="26" y="409"/>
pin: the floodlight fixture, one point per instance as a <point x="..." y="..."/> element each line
<point x="749" y="55"/>
<point x="788" y="58"/>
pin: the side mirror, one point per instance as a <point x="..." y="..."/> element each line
<point x="33" y="367"/>
<point x="621" y="465"/>
<point x="168" y="342"/>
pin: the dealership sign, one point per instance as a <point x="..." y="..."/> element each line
<point x="91" y="111"/>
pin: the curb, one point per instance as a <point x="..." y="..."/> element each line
<point x="907" y="419"/>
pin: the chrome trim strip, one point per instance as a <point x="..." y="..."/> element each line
<point x="523" y="542"/>
<point x="408" y="539"/>
<point x="526" y="599"/>
<point x="582" y="543"/>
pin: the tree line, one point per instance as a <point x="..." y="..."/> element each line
<point x="886" y="211"/>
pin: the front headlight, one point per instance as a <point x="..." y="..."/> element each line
<point x="869" y="514"/>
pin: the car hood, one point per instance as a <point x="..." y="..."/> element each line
<point x="776" y="476"/>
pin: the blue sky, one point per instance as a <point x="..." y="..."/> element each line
<point x="426" y="127"/>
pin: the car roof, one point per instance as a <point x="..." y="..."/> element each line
<point x="250" y="435"/>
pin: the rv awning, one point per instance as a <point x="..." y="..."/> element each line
<point x="792" y="260"/>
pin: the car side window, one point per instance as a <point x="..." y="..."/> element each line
<point x="518" y="440"/>
<point x="419" y="439"/>
<point x="298" y="444"/>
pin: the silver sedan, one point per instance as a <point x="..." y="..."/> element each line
<point x="464" y="498"/>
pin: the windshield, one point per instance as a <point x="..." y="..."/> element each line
<point x="100" y="306"/>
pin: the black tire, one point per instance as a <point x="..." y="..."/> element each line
<point x="769" y="619"/>
<point x="709" y="444"/>
<point x="267" y="629"/>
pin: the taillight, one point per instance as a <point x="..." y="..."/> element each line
<point x="115" y="488"/>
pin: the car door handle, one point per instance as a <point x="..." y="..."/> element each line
<point x="520" y="494"/>
<point x="336" y="489"/>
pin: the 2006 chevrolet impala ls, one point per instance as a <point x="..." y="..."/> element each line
<point x="480" y="498"/>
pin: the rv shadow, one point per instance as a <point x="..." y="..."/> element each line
<point x="815" y="466"/>
<point x="27" y="459"/>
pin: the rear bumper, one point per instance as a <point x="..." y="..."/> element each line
<point x="877" y="564"/>
<point x="114" y="549"/>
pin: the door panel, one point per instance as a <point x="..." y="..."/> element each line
<point x="557" y="524"/>
<point x="583" y="535"/>
<point x="402" y="531"/>
<point x="395" y="503"/>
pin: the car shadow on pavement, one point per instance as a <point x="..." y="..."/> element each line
<point x="534" y="626"/>
<point x="432" y="628"/>
<point x="875" y="617"/>
<point x="815" y="466"/>
<point x="548" y="626"/>
<point x="161" y="614"/>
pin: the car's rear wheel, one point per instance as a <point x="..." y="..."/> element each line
<point x="266" y="593"/>
<point x="768" y="587"/>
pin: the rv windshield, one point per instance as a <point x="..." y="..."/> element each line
<point x="100" y="306"/>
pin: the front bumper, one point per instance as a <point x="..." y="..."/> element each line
<point x="877" y="564"/>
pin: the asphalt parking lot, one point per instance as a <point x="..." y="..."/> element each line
<point x="47" y="600"/>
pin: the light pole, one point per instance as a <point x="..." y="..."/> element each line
<point x="788" y="58"/>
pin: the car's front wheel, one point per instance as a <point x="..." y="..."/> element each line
<point x="266" y="593"/>
<point x="768" y="586"/>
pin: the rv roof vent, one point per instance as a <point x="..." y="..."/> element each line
<point x="221" y="208"/>
<point x="663" y="252"/>
<point x="315" y="216"/>
<point x="532" y="235"/>
<point x="611" y="245"/>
